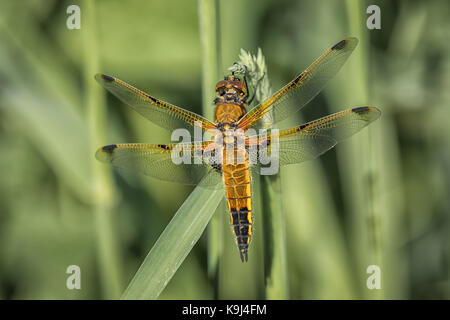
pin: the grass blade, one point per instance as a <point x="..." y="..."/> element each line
<point x="174" y="244"/>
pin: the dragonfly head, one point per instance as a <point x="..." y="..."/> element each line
<point x="231" y="90"/>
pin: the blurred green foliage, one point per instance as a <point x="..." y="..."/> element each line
<point x="379" y="198"/>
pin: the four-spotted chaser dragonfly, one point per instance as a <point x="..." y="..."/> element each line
<point x="295" y="145"/>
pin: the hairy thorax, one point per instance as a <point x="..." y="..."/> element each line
<point x="228" y="113"/>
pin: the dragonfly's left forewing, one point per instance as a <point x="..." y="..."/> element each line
<point x="159" y="112"/>
<point x="159" y="161"/>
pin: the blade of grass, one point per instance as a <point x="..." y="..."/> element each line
<point x="103" y="187"/>
<point x="319" y="263"/>
<point x="362" y="179"/>
<point x="208" y="13"/>
<point x="370" y="205"/>
<point x="367" y="183"/>
<point x="174" y="244"/>
<point x="215" y="246"/>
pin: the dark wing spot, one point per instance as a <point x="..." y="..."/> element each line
<point x="301" y="127"/>
<point x="107" y="78"/>
<point x="360" y="110"/>
<point x="153" y="99"/>
<point x="163" y="146"/>
<point x="296" y="80"/>
<point x="109" y="148"/>
<point x="340" y="45"/>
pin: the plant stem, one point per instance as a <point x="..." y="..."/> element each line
<point x="366" y="208"/>
<point x="275" y="252"/>
<point x="103" y="188"/>
<point x="208" y="11"/>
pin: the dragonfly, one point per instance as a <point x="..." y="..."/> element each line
<point x="294" y="145"/>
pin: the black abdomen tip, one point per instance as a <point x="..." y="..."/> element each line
<point x="340" y="45"/>
<point x="244" y="255"/>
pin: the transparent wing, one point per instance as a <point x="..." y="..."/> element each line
<point x="310" y="140"/>
<point x="304" y="88"/>
<point x="156" y="160"/>
<point x="159" y="112"/>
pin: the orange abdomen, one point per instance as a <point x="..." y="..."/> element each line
<point x="238" y="192"/>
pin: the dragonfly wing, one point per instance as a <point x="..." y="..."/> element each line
<point x="310" y="140"/>
<point x="156" y="160"/>
<point x="304" y="88"/>
<point x="159" y="112"/>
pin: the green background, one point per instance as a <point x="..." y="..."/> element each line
<point x="378" y="199"/>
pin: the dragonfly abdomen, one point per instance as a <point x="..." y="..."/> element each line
<point x="237" y="181"/>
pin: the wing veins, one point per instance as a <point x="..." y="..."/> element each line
<point x="308" y="84"/>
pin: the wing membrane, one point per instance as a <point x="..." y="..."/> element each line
<point x="156" y="161"/>
<point x="310" y="140"/>
<point x="159" y="112"/>
<point x="304" y="87"/>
